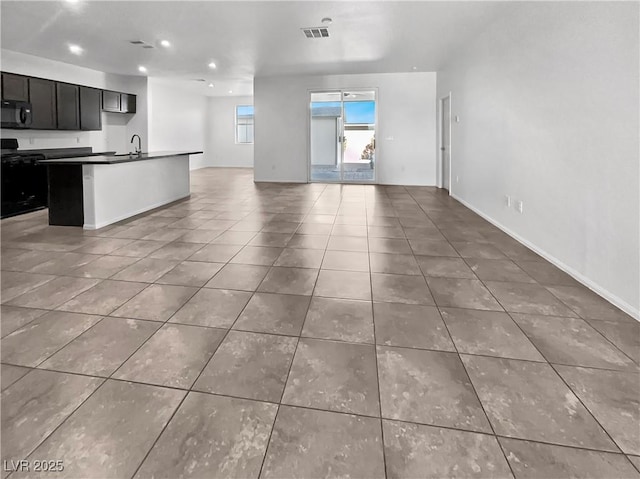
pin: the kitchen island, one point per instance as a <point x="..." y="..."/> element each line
<point x="96" y="191"/>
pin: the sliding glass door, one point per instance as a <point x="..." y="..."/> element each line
<point x="342" y="136"/>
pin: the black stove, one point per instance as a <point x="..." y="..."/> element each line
<point x="24" y="181"/>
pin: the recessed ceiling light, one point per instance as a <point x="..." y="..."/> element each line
<point x="165" y="43"/>
<point x="230" y="91"/>
<point x="75" y="49"/>
<point x="212" y="65"/>
<point x="414" y="68"/>
<point x="142" y="69"/>
<point x="72" y="1"/>
<point x="327" y="21"/>
<point x="210" y="85"/>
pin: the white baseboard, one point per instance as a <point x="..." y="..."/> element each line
<point x="599" y="290"/>
<point x="110" y="221"/>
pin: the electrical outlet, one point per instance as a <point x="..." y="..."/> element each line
<point x="457" y="179"/>
<point x="77" y="139"/>
<point x="519" y="206"/>
<point x="507" y="200"/>
<point x="31" y="141"/>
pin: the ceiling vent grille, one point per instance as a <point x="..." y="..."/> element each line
<point x="140" y="43"/>
<point x="316" y="32"/>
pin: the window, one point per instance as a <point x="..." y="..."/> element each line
<point x="244" y="124"/>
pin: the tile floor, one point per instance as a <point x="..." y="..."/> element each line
<point x="308" y="331"/>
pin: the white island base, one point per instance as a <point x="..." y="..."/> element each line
<point x="116" y="191"/>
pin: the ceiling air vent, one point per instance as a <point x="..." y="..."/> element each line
<point x="316" y="32"/>
<point x="140" y="43"/>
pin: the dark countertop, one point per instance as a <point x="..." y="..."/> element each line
<point x="112" y="159"/>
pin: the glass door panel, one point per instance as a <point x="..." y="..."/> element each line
<point x="342" y="136"/>
<point x="326" y="136"/>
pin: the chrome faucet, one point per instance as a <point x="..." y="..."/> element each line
<point x="139" y="149"/>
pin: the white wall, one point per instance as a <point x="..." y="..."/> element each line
<point x="548" y="103"/>
<point x="221" y="147"/>
<point x="405" y="134"/>
<point x="177" y="120"/>
<point x="117" y="128"/>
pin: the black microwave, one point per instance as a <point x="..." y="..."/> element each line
<point x="16" y="114"/>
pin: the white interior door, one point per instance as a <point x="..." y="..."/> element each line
<point x="445" y="143"/>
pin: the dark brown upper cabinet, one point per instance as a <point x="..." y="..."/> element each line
<point x="111" y="101"/>
<point x="15" y="87"/>
<point x="90" y="108"/>
<point x="42" y="94"/>
<point x="68" y="99"/>
<point x="127" y="103"/>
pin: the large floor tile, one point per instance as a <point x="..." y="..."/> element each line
<point x="413" y="450"/>
<point x="212" y="436"/>
<point x="528" y="400"/>
<point x="612" y="397"/>
<point x="625" y="335"/>
<point x="14" y="317"/>
<point x="274" y="313"/>
<point x="394" y="263"/>
<point x="16" y="283"/>
<point x="103" y="298"/>
<point x="103" y="348"/>
<point x="36" y="405"/>
<point x="531" y="460"/>
<point x="289" y="281"/>
<point x="217" y="308"/>
<point x="176" y="250"/>
<point x="258" y="255"/>
<point x="53" y="293"/>
<point x="498" y="270"/>
<point x="588" y="304"/>
<point x="572" y="341"/>
<point x="35" y="342"/>
<point x="174" y="356"/>
<point x="343" y="284"/>
<point x="428" y="387"/>
<point x="346" y="261"/>
<point x="249" y="365"/>
<point x="245" y="277"/>
<point x="63" y="263"/>
<point x="103" y="267"/>
<point x="468" y="249"/>
<point x="190" y="273"/>
<point x="10" y="374"/>
<point x="411" y="326"/>
<point x="335" y="445"/>
<point x="147" y="270"/>
<point x="528" y="298"/>
<point x="546" y="273"/>
<point x="428" y="247"/>
<point x="442" y="267"/>
<point x="346" y="243"/>
<point x="138" y="248"/>
<point x="489" y="333"/>
<point x="462" y="293"/>
<point x="294" y="257"/>
<point x="110" y="434"/>
<point x="397" y="288"/>
<point x="339" y="319"/>
<point x="215" y="253"/>
<point x="156" y="303"/>
<point x="333" y="376"/>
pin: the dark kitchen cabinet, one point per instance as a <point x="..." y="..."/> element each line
<point x="127" y="103"/>
<point x="15" y="87"/>
<point x="111" y="101"/>
<point x="90" y="108"/>
<point x="68" y="99"/>
<point x="43" y="104"/>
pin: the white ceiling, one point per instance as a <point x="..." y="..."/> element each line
<point x="244" y="39"/>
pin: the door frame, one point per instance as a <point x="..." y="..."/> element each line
<point x="441" y="143"/>
<point x="377" y="133"/>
